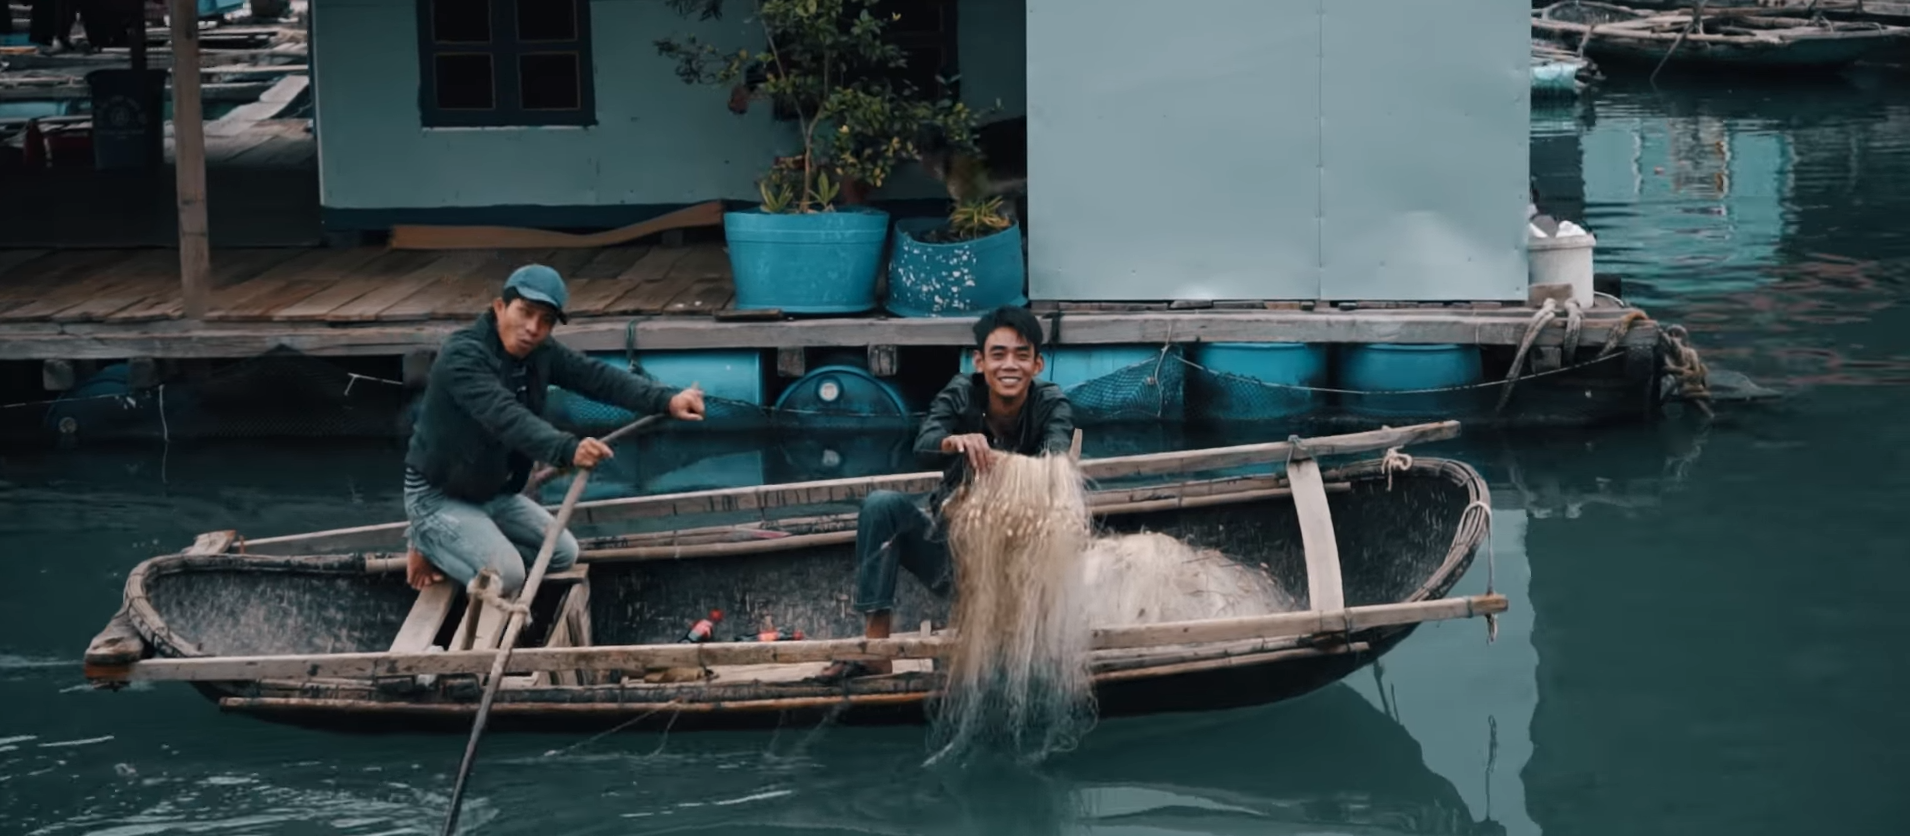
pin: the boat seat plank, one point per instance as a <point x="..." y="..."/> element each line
<point x="427" y="615"/>
<point x="1316" y="535"/>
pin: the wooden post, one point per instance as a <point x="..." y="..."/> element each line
<point x="189" y="160"/>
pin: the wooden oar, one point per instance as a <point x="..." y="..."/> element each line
<point x="543" y="472"/>
<point x="515" y="624"/>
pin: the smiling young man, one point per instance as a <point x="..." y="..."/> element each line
<point x="481" y="430"/>
<point x="1000" y="407"/>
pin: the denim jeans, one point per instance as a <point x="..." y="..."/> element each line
<point x="463" y="538"/>
<point x="892" y="531"/>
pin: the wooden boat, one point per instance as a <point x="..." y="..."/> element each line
<point x="1741" y="38"/>
<point x="321" y="628"/>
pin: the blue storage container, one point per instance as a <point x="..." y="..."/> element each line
<point x="732" y="382"/>
<point x="1255" y="381"/>
<point x="1115" y="382"/>
<point x="1392" y="378"/>
<point x="842" y="395"/>
<point x="821" y="262"/>
<point x="962" y="278"/>
<point x="216" y="8"/>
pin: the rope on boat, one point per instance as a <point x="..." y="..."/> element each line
<point x="1395" y="462"/>
<point x="488" y="594"/>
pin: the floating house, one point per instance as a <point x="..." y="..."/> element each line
<point x="1303" y="225"/>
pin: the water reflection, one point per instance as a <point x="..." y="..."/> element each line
<point x="1767" y="221"/>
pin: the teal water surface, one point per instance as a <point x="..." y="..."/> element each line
<point x="1704" y="637"/>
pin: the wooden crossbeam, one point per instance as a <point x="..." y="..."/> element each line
<point x="1316" y="535"/>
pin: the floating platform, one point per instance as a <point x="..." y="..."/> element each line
<point x="379" y="313"/>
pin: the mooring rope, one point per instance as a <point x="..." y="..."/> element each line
<point x="1684" y="369"/>
<point x="1544" y="317"/>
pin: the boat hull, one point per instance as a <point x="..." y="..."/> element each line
<point x="276" y="636"/>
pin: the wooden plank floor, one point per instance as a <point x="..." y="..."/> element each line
<point x="367" y="285"/>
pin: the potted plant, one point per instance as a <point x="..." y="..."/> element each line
<point x="826" y="66"/>
<point x="967" y="264"/>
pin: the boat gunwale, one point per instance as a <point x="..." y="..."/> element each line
<point x="762" y="498"/>
<point x="1468" y="530"/>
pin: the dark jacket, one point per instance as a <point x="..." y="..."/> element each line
<point x="482" y="426"/>
<point x="1046" y="425"/>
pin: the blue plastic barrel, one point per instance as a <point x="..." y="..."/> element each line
<point x="960" y="278"/>
<point x="841" y="395"/>
<point x="128" y="118"/>
<point x="1252" y="381"/>
<point x="1378" y="370"/>
<point x="731" y="379"/>
<point x="821" y="262"/>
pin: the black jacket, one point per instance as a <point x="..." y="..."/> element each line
<point x="482" y="425"/>
<point x="1046" y="425"/>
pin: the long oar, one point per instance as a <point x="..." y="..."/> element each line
<point x="543" y="472"/>
<point x="516" y="622"/>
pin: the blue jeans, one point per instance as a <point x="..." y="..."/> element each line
<point x="464" y="538"/>
<point x="893" y="531"/>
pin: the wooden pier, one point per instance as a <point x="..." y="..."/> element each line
<point x="124" y="303"/>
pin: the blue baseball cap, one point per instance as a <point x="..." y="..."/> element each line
<point x="540" y="284"/>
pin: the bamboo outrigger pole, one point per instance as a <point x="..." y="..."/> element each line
<point x="515" y="624"/>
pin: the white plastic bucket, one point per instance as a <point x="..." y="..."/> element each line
<point x="1566" y="259"/>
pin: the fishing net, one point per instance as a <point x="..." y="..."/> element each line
<point x="1016" y="676"/>
<point x="1150" y="390"/>
<point x="281" y="394"/>
<point x="1149" y="578"/>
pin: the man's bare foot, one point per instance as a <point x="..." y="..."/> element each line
<point x="419" y="573"/>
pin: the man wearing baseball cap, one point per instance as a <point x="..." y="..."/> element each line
<point x="481" y="430"/>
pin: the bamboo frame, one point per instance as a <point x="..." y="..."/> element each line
<point x="1349" y="621"/>
<point x="765" y="498"/>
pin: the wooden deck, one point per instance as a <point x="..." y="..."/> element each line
<point x="118" y="304"/>
<point x="350" y="286"/>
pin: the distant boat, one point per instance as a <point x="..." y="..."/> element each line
<point x="1740" y="38"/>
<point x="1559" y="72"/>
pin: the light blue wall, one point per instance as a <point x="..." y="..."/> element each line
<point x="1305" y="149"/>
<point x="657" y="141"/>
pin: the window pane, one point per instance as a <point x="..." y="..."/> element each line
<point x="550" y="81"/>
<point x="461" y="21"/>
<point x="547" y="20"/>
<point x="464" y="82"/>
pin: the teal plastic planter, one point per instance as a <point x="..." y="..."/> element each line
<point x="1252" y="381"/>
<point x="1389" y="372"/>
<point x="962" y="278"/>
<point x="822" y="262"/>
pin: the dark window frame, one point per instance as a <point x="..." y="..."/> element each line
<point x="505" y="50"/>
<point x="943" y="40"/>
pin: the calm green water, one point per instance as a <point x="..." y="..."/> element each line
<point x="1705" y="635"/>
